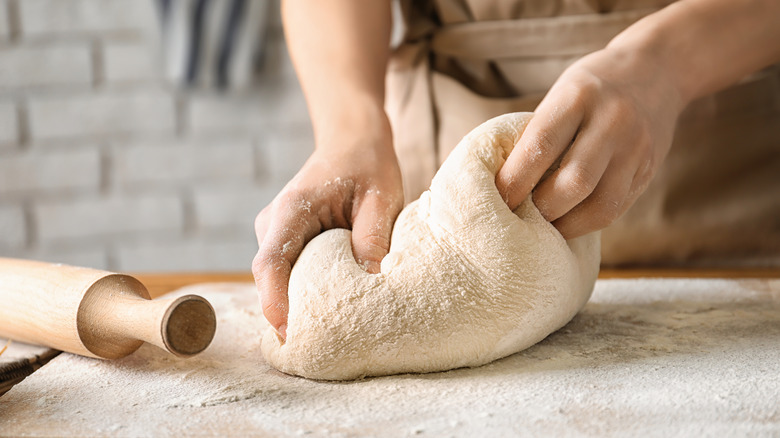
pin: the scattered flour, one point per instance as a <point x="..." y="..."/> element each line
<point x="644" y="357"/>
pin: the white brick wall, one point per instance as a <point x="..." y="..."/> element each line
<point x="45" y="172"/>
<point x="31" y="66"/>
<point x="5" y="28"/>
<point x="101" y="114"/>
<point x="185" y="162"/>
<point x="105" y="164"/>
<point x="231" y="207"/>
<point x="283" y="152"/>
<point x="9" y="132"/>
<point x="128" y="61"/>
<point x="82" y="220"/>
<point x="279" y="102"/>
<point x="12" y="227"/>
<point x="58" y="17"/>
<point x="201" y="255"/>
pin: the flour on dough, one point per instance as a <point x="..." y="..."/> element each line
<point x="466" y="282"/>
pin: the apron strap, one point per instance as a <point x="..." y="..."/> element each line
<point x="533" y="37"/>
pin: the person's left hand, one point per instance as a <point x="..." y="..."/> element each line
<point x="612" y="116"/>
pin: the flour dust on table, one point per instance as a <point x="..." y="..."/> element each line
<point x="661" y="358"/>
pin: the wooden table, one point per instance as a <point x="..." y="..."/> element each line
<point x="671" y="356"/>
<point x="159" y="284"/>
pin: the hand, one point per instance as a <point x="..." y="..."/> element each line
<point x="352" y="185"/>
<point x="611" y="116"/>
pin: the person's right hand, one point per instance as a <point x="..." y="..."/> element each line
<point x="354" y="184"/>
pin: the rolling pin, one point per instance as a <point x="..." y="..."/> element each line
<point x="96" y="313"/>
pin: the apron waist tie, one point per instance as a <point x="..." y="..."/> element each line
<point x="533" y="37"/>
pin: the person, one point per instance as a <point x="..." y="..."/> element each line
<point x="633" y="77"/>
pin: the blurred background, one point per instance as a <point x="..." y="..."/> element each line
<point x="144" y="135"/>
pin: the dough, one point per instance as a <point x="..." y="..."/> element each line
<point x="466" y="282"/>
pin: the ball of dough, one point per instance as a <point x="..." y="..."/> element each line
<point x="466" y="281"/>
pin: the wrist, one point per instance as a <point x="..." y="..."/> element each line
<point x="661" y="50"/>
<point x="353" y="123"/>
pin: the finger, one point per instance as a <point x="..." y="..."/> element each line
<point x="288" y="231"/>
<point x="642" y="177"/>
<point x="607" y="202"/>
<point x="580" y="172"/>
<point x="261" y="225"/>
<point x="371" y="229"/>
<point x="273" y="297"/>
<point x="547" y="135"/>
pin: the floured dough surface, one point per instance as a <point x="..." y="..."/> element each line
<point x="466" y="281"/>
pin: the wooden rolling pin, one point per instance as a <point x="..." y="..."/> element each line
<point x="96" y="313"/>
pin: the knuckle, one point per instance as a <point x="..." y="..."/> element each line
<point x="646" y="164"/>
<point x="608" y="212"/>
<point x="273" y="296"/>
<point x="516" y="189"/>
<point x="543" y="144"/>
<point x="580" y="95"/>
<point x="579" y="181"/>
<point x="290" y="199"/>
<point x="262" y="218"/>
<point x="296" y="207"/>
<point x="258" y="262"/>
<point x="638" y="186"/>
<point x="645" y="172"/>
<point x="585" y="86"/>
<point x="265" y="265"/>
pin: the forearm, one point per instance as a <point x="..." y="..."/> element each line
<point x="340" y="50"/>
<point x="708" y="45"/>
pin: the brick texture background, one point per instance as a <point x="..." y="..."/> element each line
<point x="103" y="163"/>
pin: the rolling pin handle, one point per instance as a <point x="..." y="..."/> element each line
<point x="188" y="326"/>
<point x="117" y="316"/>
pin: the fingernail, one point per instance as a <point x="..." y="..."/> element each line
<point x="282" y="331"/>
<point x="372" y="267"/>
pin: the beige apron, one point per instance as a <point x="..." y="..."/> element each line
<point x="714" y="202"/>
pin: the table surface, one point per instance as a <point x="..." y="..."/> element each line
<point x="648" y="356"/>
<point x="159" y="284"/>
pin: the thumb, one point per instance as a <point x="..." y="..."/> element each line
<point x="371" y="229"/>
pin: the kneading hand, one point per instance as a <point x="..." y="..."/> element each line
<point x="610" y="118"/>
<point x="357" y="187"/>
